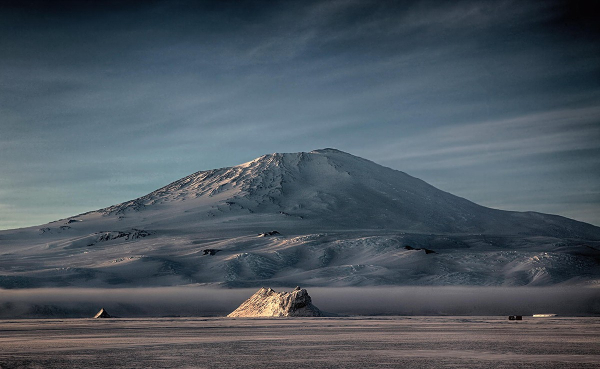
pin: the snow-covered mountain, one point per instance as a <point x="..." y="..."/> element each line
<point x="319" y="218"/>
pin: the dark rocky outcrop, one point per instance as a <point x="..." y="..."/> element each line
<point x="267" y="234"/>
<point x="102" y="314"/>
<point x="427" y="251"/>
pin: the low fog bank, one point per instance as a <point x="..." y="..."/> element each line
<point x="121" y="302"/>
<point x="204" y="301"/>
<point x="424" y="300"/>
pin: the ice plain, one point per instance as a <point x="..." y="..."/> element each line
<point x="383" y="342"/>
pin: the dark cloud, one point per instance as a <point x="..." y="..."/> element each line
<point x="581" y="18"/>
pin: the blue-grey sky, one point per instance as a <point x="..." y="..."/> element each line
<point x="494" y="101"/>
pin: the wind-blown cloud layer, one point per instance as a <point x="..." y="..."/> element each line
<point x="497" y="101"/>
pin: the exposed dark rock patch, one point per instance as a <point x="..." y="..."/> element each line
<point x="125" y="235"/>
<point x="427" y="251"/>
<point x="267" y="234"/>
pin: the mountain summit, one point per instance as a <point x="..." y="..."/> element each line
<point x="325" y="217"/>
<point x="340" y="190"/>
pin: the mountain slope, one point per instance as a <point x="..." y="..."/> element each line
<point x="344" y="191"/>
<point x="340" y="220"/>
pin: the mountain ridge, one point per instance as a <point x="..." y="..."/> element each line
<point x="319" y="218"/>
<point x="262" y="182"/>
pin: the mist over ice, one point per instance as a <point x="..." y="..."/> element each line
<point x="204" y="301"/>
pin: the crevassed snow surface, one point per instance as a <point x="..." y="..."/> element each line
<point x="341" y="221"/>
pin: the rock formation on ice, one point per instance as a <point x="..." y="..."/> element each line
<point x="268" y="303"/>
<point x="102" y="314"/>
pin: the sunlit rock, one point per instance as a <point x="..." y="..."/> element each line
<point x="102" y="314"/>
<point x="268" y="303"/>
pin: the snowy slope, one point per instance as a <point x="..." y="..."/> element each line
<point x="341" y="220"/>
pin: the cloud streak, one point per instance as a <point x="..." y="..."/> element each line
<point x="505" y="139"/>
